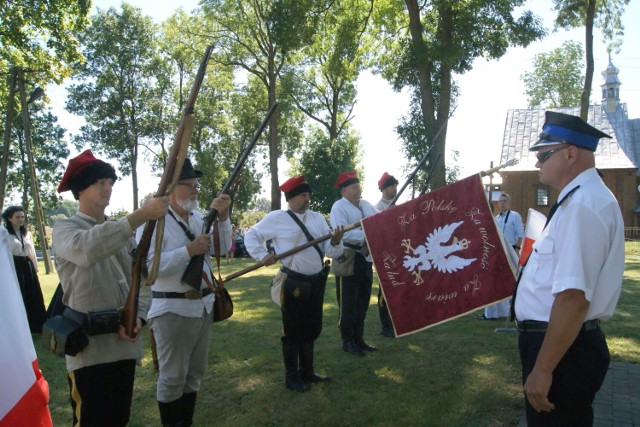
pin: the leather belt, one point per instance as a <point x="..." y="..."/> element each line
<point x="538" y="326"/>
<point x="191" y="294"/>
<point x="304" y="276"/>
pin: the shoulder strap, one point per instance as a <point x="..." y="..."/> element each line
<point x="306" y="233"/>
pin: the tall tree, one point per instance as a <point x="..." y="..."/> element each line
<point x="426" y="44"/>
<point x="41" y="35"/>
<point x="321" y="161"/>
<point x="556" y="79"/>
<point x="47" y="141"/>
<point x="116" y="86"/>
<point x="322" y="80"/>
<point x="604" y="14"/>
<point x="257" y="37"/>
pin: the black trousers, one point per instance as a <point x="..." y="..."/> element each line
<point x="101" y="394"/>
<point x="354" y="294"/>
<point x="576" y="379"/>
<point x="302" y="307"/>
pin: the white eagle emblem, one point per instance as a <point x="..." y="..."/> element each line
<point x="434" y="254"/>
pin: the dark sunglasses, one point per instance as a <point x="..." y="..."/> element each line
<point x="543" y="156"/>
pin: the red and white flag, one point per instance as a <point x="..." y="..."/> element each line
<point x="24" y="393"/>
<point x="533" y="229"/>
<point x="439" y="256"/>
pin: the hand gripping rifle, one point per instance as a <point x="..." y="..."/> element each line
<point x="193" y="274"/>
<point x="290" y="252"/>
<point x="170" y="176"/>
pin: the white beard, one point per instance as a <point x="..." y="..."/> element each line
<point x="188" y="205"/>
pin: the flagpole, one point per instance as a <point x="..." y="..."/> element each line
<point x="289" y="252"/>
<point x="420" y="164"/>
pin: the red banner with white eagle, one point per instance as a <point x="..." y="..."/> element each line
<point x="439" y="256"/>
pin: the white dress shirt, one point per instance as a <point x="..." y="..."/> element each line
<point x="510" y="224"/>
<point x="343" y="212"/>
<point x="279" y="227"/>
<point x="173" y="263"/>
<point x="582" y="248"/>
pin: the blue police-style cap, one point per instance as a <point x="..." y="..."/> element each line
<point x="562" y="128"/>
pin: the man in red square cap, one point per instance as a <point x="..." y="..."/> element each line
<point x="388" y="186"/>
<point x="304" y="274"/>
<point x="571" y="281"/>
<point x="93" y="259"/>
<point x="353" y="290"/>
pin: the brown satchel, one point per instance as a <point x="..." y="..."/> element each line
<point x="222" y="305"/>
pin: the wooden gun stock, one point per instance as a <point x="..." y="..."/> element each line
<point x="172" y="169"/>
<point x="193" y="274"/>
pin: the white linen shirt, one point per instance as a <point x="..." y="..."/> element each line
<point x="286" y="234"/>
<point x="17" y="249"/>
<point x="582" y="248"/>
<point x="383" y="204"/>
<point x="512" y="228"/>
<point x="94" y="266"/>
<point x="173" y="263"/>
<point x="343" y="212"/>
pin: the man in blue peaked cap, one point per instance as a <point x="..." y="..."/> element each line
<point x="572" y="280"/>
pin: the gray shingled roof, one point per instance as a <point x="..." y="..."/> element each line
<point x="522" y="128"/>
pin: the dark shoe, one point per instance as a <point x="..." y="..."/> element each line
<point x="363" y="345"/>
<point x="351" y="347"/>
<point x="306" y="364"/>
<point x="315" y="378"/>
<point x="388" y="333"/>
<point x="295" y="383"/>
<point x="483" y="317"/>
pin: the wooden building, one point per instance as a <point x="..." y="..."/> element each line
<point x="617" y="158"/>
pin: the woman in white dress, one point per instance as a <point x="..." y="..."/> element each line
<point x="24" y="257"/>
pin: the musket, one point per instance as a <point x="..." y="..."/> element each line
<point x="419" y="165"/>
<point x="193" y="274"/>
<point x="497" y="168"/>
<point x="289" y="252"/>
<point x="426" y="181"/>
<point x="170" y="176"/>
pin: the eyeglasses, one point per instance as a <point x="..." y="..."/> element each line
<point x="543" y="156"/>
<point x="191" y="186"/>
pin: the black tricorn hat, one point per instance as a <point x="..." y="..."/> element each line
<point x="188" y="171"/>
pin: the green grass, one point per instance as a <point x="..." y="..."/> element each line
<point x="460" y="373"/>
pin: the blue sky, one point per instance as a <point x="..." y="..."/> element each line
<point x="476" y="128"/>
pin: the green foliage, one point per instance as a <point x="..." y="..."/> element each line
<point x="115" y="86"/>
<point x="252" y="38"/>
<point x="556" y="79"/>
<point x="321" y="161"/>
<point x="608" y="17"/>
<point x="42" y="36"/>
<point x="49" y="148"/>
<point x="425" y="49"/>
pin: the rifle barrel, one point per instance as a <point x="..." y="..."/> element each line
<point x="289" y="252"/>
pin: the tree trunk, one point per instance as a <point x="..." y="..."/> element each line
<point x="274" y="146"/>
<point x="134" y="174"/>
<point x="588" y="78"/>
<point x="432" y="122"/>
<point x="7" y="136"/>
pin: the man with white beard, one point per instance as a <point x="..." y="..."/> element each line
<point x="181" y="316"/>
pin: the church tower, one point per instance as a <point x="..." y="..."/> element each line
<point x="611" y="88"/>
